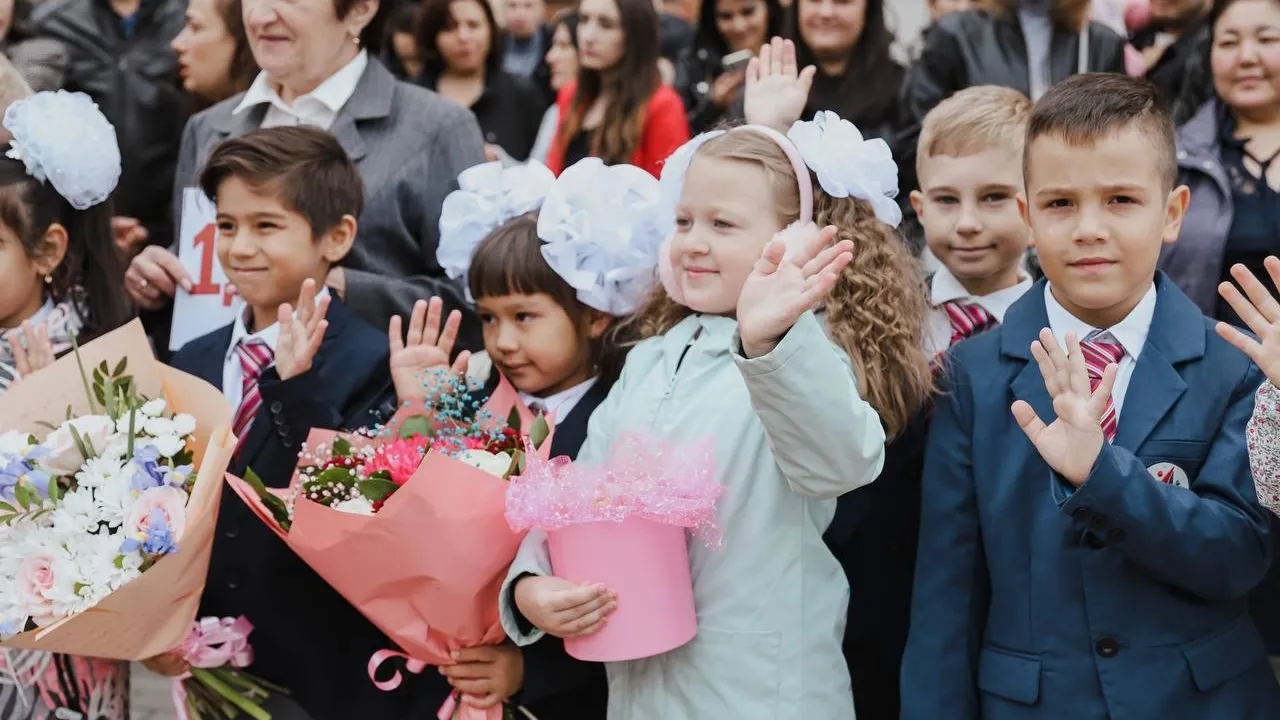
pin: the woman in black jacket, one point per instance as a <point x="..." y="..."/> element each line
<point x="706" y="86"/>
<point x="1026" y="45"/>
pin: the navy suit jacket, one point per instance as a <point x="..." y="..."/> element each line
<point x="1128" y="600"/>
<point x="306" y="637"/>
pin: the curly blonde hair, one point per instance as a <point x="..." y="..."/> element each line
<point x="877" y="309"/>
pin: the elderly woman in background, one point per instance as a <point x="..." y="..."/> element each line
<point x="320" y="67"/>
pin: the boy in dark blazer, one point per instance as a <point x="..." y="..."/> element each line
<point x="1089" y="530"/>
<point x="287" y="199"/>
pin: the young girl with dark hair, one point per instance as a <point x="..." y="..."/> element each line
<point x="619" y="110"/>
<point x="60" y="278"/>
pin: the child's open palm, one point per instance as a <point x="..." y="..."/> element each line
<point x="36" y="355"/>
<point x="1071" y="443"/>
<point x="777" y="89"/>
<point x="301" y="332"/>
<point x="1260" y="312"/>
<point x="427" y="346"/>
<point x="783" y="286"/>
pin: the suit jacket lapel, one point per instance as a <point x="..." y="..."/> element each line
<point x="1176" y="336"/>
<point x="372" y="100"/>
<point x="1022" y="325"/>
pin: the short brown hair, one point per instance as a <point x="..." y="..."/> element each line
<point x="972" y="121"/>
<point x="1084" y="108"/>
<point x="304" y="167"/>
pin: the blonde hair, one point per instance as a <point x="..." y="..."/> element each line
<point x="972" y="121"/>
<point x="877" y="310"/>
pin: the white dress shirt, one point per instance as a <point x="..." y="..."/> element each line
<point x="1131" y="333"/>
<point x="560" y="404"/>
<point x="945" y="289"/>
<point x="232" y="373"/>
<point x="319" y="107"/>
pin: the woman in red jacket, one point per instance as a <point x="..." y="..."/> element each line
<point x="619" y="110"/>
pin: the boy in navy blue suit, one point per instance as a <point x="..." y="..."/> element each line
<point x="287" y="199"/>
<point x="1089" y="526"/>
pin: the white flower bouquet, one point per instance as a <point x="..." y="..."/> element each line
<point x="110" y="473"/>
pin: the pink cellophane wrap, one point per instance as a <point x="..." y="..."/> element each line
<point x="428" y="567"/>
<point x="643" y="478"/>
<point x="212" y="643"/>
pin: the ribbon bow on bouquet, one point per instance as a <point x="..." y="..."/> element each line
<point x="214" y="687"/>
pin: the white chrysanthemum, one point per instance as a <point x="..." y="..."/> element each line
<point x="168" y="445"/>
<point x="184" y="425"/>
<point x="14" y="443"/>
<point x="358" y="505"/>
<point x="114" y="500"/>
<point x="99" y="471"/>
<point x="154" y="408"/>
<point x="76" y="513"/>
<point x="155" y="427"/>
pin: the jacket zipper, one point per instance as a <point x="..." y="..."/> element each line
<point x="671" y="386"/>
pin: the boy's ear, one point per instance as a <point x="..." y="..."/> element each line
<point x="53" y="248"/>
<point x="1175" y="211"/>
<point x="337" y="242"/>
<point x="917" y="203"/>
<point x="598" y="323"/>
<point x="1021" y="200"/>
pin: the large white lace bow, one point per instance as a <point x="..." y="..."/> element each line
<point x="64" y="139"/>
<point x="600" y="229"/>
<point x="846" y="165"/>
<point x="488" y="195"/>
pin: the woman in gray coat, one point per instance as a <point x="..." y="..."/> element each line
<point x="319" y="67"/>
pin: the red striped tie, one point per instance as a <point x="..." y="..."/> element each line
<point x="1100" y="352"/>
<point x="967" y="319"/>
<point x="255" y="357"/>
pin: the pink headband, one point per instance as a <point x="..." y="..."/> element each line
<point x="797" y="164"/>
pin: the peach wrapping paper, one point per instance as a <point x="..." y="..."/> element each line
<point x="153" y="613"/>
<point x="428" y="567"/>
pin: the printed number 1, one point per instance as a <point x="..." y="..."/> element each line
<point x="206" y="241"/>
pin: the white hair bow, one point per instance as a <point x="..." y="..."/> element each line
<point x="64" y="139"/>
<point x="846" y="165"/>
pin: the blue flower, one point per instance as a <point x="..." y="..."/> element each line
<point x="150" y="472"/>
<point x="16" y="471"/>
<point x="158" y="540"/>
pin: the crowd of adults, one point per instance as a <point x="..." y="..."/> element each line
<point x="418" y="90"/>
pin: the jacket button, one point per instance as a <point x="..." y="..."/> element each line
<point x="1107" y="647"/>
<point x="230" y="534"/>
<point x="284" y="431"/>
<point x="1080" y="514"/>
<point x="1093" y="541"/>
<point x="279" y="420"/>
<point x="232" y="585"/>
<point x="1115" y="535"/>
<point x="277" y="406"/>
<point x="1097" y="522"/>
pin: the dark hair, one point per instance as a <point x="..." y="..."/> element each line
<point x="869" y="88"/>
<point x="243" y="67"/>
<point x="303" y="166"/>
<point x="435" y="17"/>
<point x="636" y="78"/>
<point x="509" y="261"/>
<point x="20" y="25"/>
<point x="1084" y="108"/>
<point x="708" y="36"/>
<point x="568" y="17"/>
<point x="91" y="274"/>
<point x="374" y="35"/>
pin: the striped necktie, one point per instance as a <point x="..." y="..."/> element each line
<point x="1101" y="350"/>
<point x="255" y="357"/>
<point x="967" y="319"/>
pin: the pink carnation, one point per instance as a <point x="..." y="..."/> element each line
<point x="400" y="458"/>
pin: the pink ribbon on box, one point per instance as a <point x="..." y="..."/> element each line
<point x="451" y="709"/>
<point x="212" y="643"/>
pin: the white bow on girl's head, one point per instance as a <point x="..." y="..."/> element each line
<point x="846" y="165"/>
<point x="488" y="195"/>
<point x="600" y="233"/>
<point x="64" y="139"/>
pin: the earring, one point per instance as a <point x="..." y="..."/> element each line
<point x="48" y="279"/>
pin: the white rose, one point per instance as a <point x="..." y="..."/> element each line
<point x="64" y="456"/>
<point x="479" y="368"/>
<point x="168" y="445"/>
<point x="153" y="408"/>
<point x="358" y="505"/>
<point x="495" y="464"/>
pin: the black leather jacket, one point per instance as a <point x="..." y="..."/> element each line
<point x="134" y="80"/>
<point x="974" y="47"/>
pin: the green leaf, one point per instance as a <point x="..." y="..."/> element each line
<point x="513" y="419"/>
<point x="341" y="447"/>
<point x="24" y="496"/>
<point x="81" y="445"/>
<point x="120" y="366"/>
<point x="274" y="505"/>
<point x="133" y="417"/>
<point x="416" y="425"/>
<point x="7" y="508"/>
<point x="119" y="562"/>
<point x="377" y="489"/>
<point x="335" y="476"/>
<point x="104" y="368"/>
<point x="540" y="431"/>
<point x="55" y="489"/>
<point x="517" y="464"/>
<point x="47" y="425"/>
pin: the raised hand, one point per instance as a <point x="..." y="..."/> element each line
<point x="301" y="332"/>
<point x="776" y="93"/>
<point x="784" y="285"/>
<point x="426" y="346"/>
<point x="1260" y="312"/>
<point x="36" y="355"/>
<point x="561" y="608"/>
<point x="1071" y="443"/>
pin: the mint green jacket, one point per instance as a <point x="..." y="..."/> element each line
<point x="791" y="435"/>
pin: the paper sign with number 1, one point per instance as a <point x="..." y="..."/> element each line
<point x="212" y="301"/>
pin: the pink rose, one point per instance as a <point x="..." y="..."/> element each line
<point x="170" y="501"/>
<point x="36" y="577"/>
